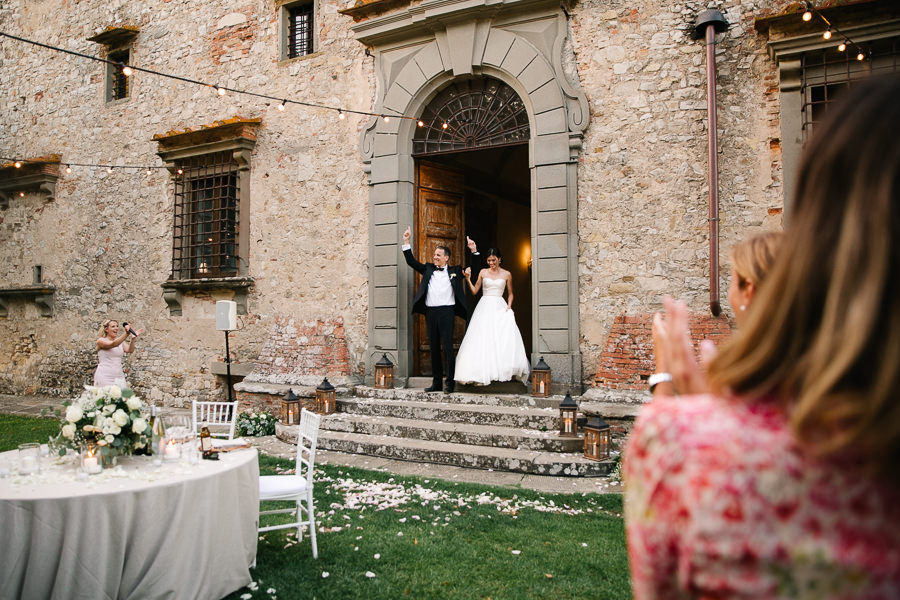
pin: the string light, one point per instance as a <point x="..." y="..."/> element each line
<point x="860" y="56"/>
<point x="68" y="169"/>
<point x="109" y="169"/>
<point x="830" y="30"/>
<point x="127" y="71"/>
<point x="219" y="89"/>
<point x="421" y="123"/>
<point x="827" y="34"/>
<point x="444" y="126"/>
<point x="17" y="165"/>
<point x="21" y="194"/>
<point x="149" y="172"/>
<point x="842" y="46"/>
<point x="341" y="115"/>
<point x="385" y="118"/>
<point x="807" y="16"/>
<point x="180" y="171"/>
<point x="281" y="106"/>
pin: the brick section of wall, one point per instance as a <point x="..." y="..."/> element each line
<point x="627" y="359"/>
<point x="296" y="349"/>
<point x="254" y="401"/>
<point x="234" y="35"/>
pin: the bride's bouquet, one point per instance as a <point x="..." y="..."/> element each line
<point x="110" y="417"/>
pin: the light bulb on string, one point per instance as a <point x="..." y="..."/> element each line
<point x="21" y="194"/>
<point x="126" y="70"/>
<point x="860" y="56"/>
<point x="444" y="126"/>
<point x="385" y="118"/>
<point x="842" y="46"/>
<point x="827" y="34"/>
<point x="341" y="115"/>
<point x="149" y="172"/>
<point x="68" y="169"/>
<point x="219" y="90"/>
<point x="109" y="169"/>
<point x="17" y="165"/>
<point x="281" y="106"/>
<point x="421" y="123"/>
<point x="807" y="13"/>
<point x="180" y="171"/>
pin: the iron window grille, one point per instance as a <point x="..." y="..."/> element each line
<point x="827" y="73"/>
<point x="479" y="113"/>
<point x="205" y="237"/>
<point x="118" y="87"/>
<point x="300" y="30"/>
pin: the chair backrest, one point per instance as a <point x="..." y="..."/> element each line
<point x="306" y="444"/>
<point x="220" y="417"/>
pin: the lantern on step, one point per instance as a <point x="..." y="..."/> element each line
<point x="540" y="380"/>
<point x="290" y="408"/>
<point x="325" y="398"/>
<point x="596" y="439"/>
<point x="568" y="413"/>
<point x="384" y="373"/>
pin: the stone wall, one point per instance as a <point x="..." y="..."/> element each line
<point x="105" y="241"/>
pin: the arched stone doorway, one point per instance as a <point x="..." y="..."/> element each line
<point x="472" y="178"/>
<point x="417" y="55"/>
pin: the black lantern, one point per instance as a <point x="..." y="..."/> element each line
<point x="568" y="413"/>
<point x="325" y="398"/>
<point x="596" y="439"/>
<point x="384" y="373"/>
<point x="290" y="408"/>
<point x="540" y="380"/>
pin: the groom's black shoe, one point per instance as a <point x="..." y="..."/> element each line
<point x="435" y="387"/>
<point x="450" y="387"/>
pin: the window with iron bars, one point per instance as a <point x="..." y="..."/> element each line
<point x="300" y="30"/>
<point x="205" y="237"/>
<point x="828" y="73"/>
<point x="117" y="83"/>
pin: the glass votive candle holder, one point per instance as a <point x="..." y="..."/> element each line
<point x="189" y="448"/>
<point x="29" y="458"/>
<point x="91" y="460"/>
<point x="171" y="447"/>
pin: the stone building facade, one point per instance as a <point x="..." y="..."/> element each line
<point x="605" y="187"/>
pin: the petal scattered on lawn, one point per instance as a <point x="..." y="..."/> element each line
<point x="325" y="574"/>
<point x="370" y="574"/>
<point x="517" y="552"/>
<point x="246" y="596"/>
<point x="377" y="556"/>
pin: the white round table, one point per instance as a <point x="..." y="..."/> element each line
<point x="135" y="531"/>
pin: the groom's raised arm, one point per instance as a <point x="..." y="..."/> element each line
<point x="408" y="255"/>
<point x="474" y="261"/>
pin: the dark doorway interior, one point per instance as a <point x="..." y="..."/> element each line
<point x="496" y="213"/>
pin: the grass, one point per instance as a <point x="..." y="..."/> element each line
<point x="458" y="540"/>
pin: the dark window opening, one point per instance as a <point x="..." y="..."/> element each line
<point x="300" y="30"/>
<point x="118" y="82"/>
<point x="205" y="237"/>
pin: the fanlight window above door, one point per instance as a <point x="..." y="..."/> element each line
<point x="472" y="115"/>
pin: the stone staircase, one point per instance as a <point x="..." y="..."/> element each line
<point x="504" y="432"/>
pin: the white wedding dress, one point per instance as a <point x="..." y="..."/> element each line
<point x="492" y="349"/>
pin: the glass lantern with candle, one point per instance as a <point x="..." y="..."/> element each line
<point x="568" y="417"/>
<point x="290" y="408"/>
<point x="540" y="380"/>
<point x="171" y="447"/>
<point x="384" y="373"/>
<point x="596" y="439"/>
<point x="91" y="458"/>
<point x="325" y="403"/>
<point x="29" y="458"/>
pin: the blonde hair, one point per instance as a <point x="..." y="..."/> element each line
<point x="104" y="325"/>
<point x="752" y="258"/>
<point x="822" y="338"/>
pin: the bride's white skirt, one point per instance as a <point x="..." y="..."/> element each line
<point x="492" y="349"/>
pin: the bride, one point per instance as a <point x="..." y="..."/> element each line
<point x="492" y="349"/>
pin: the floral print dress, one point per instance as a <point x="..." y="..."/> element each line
<point x="721" y="503"/>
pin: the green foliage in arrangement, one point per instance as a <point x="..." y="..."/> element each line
<point x="256" y="423"/>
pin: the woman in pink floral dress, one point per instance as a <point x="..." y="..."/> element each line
<point x="783" y="483"/>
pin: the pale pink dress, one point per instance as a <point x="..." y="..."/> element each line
<point x="109" y="366"/>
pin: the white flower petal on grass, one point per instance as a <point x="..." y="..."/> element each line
<point x="246" y="596"/>
<point x="517" y="552"/>
<point x="325" y="574"/>
<point x="583" y="545"/>
<point x="370" y="574"/>
<point x="377" y="556"/>
<point x="399" y="534"/>
<point x="403" y="520"/>
<point x="270" y="591"/>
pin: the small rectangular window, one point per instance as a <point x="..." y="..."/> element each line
<point x="300" y="30"/>
<point x="117" y="86"/>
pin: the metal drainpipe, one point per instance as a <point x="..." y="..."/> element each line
<point x="710" y="22"/>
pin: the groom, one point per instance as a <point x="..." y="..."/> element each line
<point x="441" y="296"/>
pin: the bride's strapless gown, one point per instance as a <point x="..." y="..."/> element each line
<point x="492" y="349"/>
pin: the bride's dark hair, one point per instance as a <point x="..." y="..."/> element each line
<point x="494" y="252"/>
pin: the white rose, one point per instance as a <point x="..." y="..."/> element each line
<point x="109" y="439"/>
<point x="115" y="430"/>
<point x="139" y="425"/>
<point x="134" y="403"/>
<point x="114" y="391"/>
<point x="68" y="430"/>
<point x="74" y="413"/>
<point x="120" y="418"/>
<point x="108" y="409"/>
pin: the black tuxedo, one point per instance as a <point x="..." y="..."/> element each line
<point x="440" y="320"/>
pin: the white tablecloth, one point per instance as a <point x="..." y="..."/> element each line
<point x="137" y="531"/>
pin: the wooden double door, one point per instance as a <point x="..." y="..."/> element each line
<point x="440" y="221"/>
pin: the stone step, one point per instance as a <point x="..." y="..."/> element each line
<point x="460" y="397"/>
<point x="522" y="417"/>
<point x="448" y="453"/>
<point x="458" y="433"/>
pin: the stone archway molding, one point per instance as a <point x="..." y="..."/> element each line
<point x="418" y="51"/>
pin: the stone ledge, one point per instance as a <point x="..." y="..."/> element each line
<point x="237" y="369"/>
<point x="173" y="291"/>
<point x="605" y="395"/>
<point x="41" y="295"/>
<point x="278" y="389"/>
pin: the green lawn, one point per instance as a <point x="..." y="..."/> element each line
<point x="433" y="538"/>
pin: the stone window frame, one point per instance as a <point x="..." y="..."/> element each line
<point x="789" y="40"/>
<point x="237" y="136"/>
<point x="116" y="40"/>
<point x="284" y="11"/>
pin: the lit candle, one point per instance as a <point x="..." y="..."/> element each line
<point x="290" y="416"/>
<point x="91" y="464"/>
<point x="568" y="425"/>
<point x="381" y="379"/>
<point x="28" y="465"/>
<point x="171" y="450"/>
<point x="541" y="388"/>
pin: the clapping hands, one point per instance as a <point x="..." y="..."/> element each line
<point x="674" y="351"/>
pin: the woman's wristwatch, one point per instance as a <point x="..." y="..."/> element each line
<point x="658" y="378"/>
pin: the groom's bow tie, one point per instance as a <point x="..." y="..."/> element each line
<point x="439" y="268"/>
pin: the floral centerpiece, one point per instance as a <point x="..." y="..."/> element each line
<point x="256" y="423"/>
<point x="110" y="417"/>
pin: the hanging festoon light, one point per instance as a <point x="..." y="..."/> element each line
<point x="341" y="115"/>
<point x="421" y="123"/>
<point x="126" y="70"/>
<point x="860" y="56"/>
<point x="281" y="106"/>
<point x="68" y="169"/>
<point x="17" y="164"/>
<point x="842" y="46"/>
<point x="827" y="34"/>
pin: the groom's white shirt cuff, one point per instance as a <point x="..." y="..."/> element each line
<point x="405" y="247"/>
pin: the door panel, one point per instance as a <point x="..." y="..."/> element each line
<point x="439" y="222"/>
